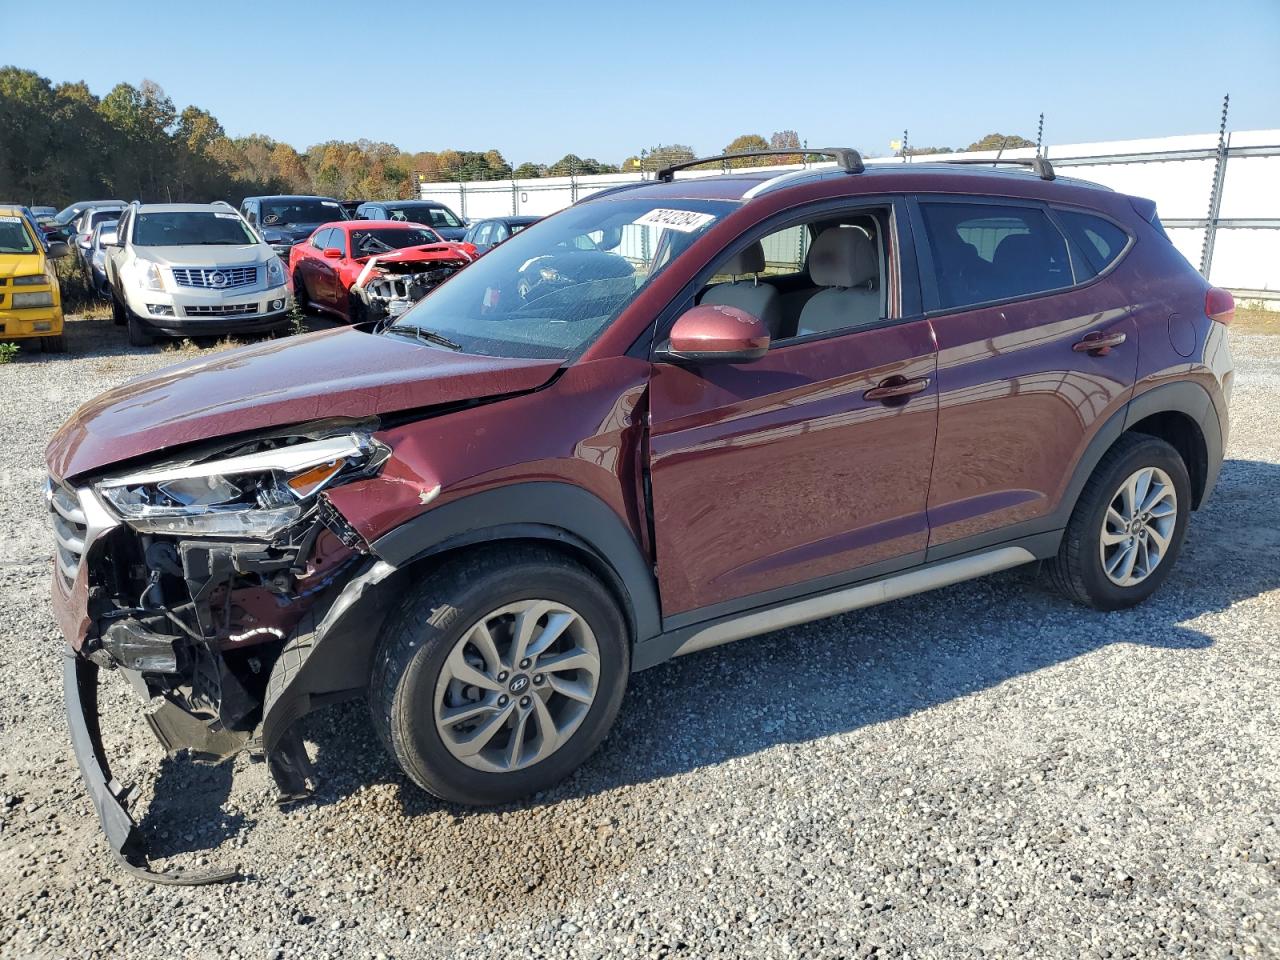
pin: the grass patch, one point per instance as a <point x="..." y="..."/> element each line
<point x="1252" y="319"/>
<point x="78" y="296"/>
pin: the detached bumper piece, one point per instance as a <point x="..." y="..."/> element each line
<point x="110" y="799"/>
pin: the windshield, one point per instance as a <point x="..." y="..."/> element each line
<point x="14" y="237"/>
<point x="368" y="243"/>
<point x="424" y="213"/>
<point x="190" y="229"/>
<point x="279" y="212"/>
<point x="547" y="292"/>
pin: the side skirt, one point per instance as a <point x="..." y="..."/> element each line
<point x="803" y="610"/>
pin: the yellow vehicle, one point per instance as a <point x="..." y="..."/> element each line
<point x="30" y="300"/>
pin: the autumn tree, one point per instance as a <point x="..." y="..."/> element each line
<point x="746" y="143"/>
<point x="998" y="141"/>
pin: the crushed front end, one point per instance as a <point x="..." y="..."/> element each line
<point x="189" y="578"/>
<point x="389" y="285"/>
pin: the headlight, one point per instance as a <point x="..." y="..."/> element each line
<point x="275" y="272"/>
<point x="255" y="495"/>
<point x="34" y="280"/>
<point x="150" y="277"/>
<point x="33" y="299"/>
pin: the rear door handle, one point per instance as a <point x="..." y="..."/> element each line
<point x="1099" y="344"/>
<point x="896" y="388"/>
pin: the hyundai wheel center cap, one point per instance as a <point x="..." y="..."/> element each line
<point x="519" y="684"/>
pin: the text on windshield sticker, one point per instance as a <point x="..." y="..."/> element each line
<point x="685" y="221"/>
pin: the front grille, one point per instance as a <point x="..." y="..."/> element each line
<point x="222" y="310"/>
<point x="69" y="531"/>
<point x="215" y="278"/>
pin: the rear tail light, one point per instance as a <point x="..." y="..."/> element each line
<point x="1219" y="305"/>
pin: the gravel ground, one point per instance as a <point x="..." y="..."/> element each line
<point x="982" y="771"/>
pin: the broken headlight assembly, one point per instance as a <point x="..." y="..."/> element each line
<point x="256" y="494"/>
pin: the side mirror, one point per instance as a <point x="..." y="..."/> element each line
<point x="109" y="238"/>
<point x="58" y="249"/>
<point x="332" y="253"/>
<point x="716" y="333"/>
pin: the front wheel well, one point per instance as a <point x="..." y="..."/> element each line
<point x="556" y="541"/>
<point x="1182" y="433"/>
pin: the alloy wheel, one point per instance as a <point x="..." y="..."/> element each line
<point x="517" y="685"/>
<point x="1138" y="526"/>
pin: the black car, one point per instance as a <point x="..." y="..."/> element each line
<point x="286" y="220"/>
<point x="426" y="212"/>
<point x="484" y="235"/>
<point x="349" y="207"/>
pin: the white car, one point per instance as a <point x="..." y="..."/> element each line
<point x="193" y="270"/>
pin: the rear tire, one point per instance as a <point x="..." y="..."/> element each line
<point x="139" y="335"/>
<point x="1114" y="555"/>
<point x="415" y="684"/>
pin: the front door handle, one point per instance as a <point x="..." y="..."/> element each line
<point x="896" y="389"/>
<point x="1098" y="344"/>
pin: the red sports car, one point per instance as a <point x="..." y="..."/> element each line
<point x="366" y="269"/>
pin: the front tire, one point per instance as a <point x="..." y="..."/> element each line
<point x="1128" y="525"/>
<point x="499" y="675"/>
<point x="55" y="344"/>
<point x="119" y="312"/>
<point x="139" y="335"/>
<point x="300" y="298"/>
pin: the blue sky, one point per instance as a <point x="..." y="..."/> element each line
<point x="605" y="79"/>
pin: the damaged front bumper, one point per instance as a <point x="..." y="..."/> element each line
<point x="110" y="798"/>
<point x="215" y="634"/>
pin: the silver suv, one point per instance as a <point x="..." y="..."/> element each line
<point x="193" y="269"/>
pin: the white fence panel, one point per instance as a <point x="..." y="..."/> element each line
<point x="1176" y="172"/>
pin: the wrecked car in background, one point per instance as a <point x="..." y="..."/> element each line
<point x="362" y="270"/>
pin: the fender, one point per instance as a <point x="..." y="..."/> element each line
<point x="330" y="654"/>
<point x="546" y="510"/>
<point x="1198" y="404"/>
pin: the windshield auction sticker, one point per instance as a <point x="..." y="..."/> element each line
<point x="685" y="221"/>
<point x="10" y="219"/>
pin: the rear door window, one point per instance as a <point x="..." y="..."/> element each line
<point x="986" y="252"/>
<point x="1099" y="240"/>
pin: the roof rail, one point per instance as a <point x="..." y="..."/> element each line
<point x="1039" y="165"/>
<point x="222" y="203"/>
<point x="848" y="159"/>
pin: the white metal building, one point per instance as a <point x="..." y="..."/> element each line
<point x="1178" y="173"/>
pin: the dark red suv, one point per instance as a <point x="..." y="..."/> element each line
<point x="673" y="415"/>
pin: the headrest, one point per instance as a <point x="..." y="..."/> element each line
<point x="750" y="260"/>
<point x="1018" y="250"/>
<point x="843" y="257"/>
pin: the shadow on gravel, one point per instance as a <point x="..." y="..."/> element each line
<point x="838" y="675"/>
<point x="185" y="813"/>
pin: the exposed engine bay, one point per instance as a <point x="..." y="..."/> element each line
<point x="390" y="285"/>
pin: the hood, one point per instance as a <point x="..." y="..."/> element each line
<point x="290" y="232"/>
<point x="333" y="373"/>
<point x="425" y="254"/>
<point x="205" y="255"/>
<point x="20" y="264"/>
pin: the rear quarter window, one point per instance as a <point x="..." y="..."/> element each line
<point x="1099" y="240"/>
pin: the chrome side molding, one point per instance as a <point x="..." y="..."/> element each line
<point x="853" y="598"/>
